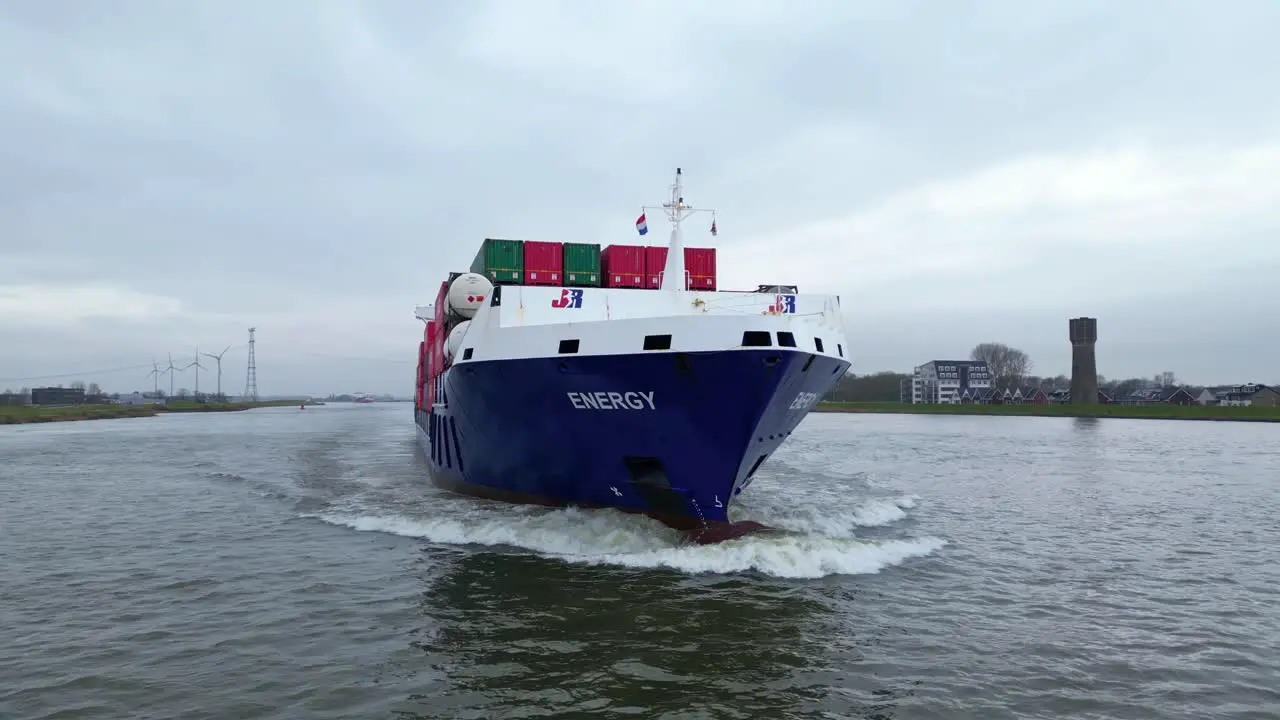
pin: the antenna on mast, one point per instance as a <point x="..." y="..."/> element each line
<point x="673" y="274"/>
<point x="251" y="376"/>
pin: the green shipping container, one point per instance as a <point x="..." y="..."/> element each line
<point x="502" y="261"/>
<point x="582" y="264"/>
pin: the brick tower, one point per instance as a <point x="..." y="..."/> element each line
<point x="1084" y="362"/>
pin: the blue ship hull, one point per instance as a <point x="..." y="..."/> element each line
<point x="673" y="435"/>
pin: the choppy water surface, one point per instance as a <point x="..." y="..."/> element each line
<point x="294" y="564"/>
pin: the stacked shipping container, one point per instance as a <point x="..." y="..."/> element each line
<point x="502" y="261"/>
<point x="700" y="264"/>
<point x="655" y="259"/>
<point x="623" y="266"/>
<point x="582" y="264"/>
<point x="435" y="344"/>
<point x="418" y="397"/>
<point x="699" y="267"/>
<point x="543" y="262"/>
<point x="535" y="262"/>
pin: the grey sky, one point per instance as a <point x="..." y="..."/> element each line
<point x="172" y="173"/>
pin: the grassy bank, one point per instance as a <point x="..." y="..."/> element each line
<point x="1154" y="412"/>
<point x="17" y="415"/>
<point x="189" y="406"/>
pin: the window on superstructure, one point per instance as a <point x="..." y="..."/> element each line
<point x="817" y="343"/>
<point x="466" y="354"/>
<point x="786" y="339"/>
<point x="568" y="346"/>
<point x="756" y="338"/>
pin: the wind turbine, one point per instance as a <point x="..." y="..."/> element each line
<point x="196" y="364"/>
<point x="218" y="358"/>
<point x="155" y="374"/>
<point x="170" y="370"/>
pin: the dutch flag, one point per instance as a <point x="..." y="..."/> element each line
<point x="642" y="227"/>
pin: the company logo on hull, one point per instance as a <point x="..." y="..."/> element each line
<point x="569" y="298"/>
<point x="785" y="304"/>
<point x="611" y="400"/>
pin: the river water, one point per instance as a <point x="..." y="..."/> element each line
<point x="281" y="563"/>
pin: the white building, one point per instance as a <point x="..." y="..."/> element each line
<point x="944" y="381"/>
<point x="1241" y="395"/>
<point x="139" y="398"/>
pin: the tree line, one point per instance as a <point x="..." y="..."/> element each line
<point x="1009" y="366"/>
<point x="94" y="392"/>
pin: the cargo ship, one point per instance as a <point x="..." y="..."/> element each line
<point x="567" y="374"/>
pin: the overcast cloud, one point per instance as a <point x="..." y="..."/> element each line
<point x="172" y="173"/>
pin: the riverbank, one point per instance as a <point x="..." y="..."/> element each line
<point x="1149" y="412"/>
<point x="19" y="415"/>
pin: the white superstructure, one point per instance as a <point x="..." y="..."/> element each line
<point x="531" y="321"/>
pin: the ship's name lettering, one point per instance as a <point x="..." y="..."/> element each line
<point x="600" y="400"/>
<point x="804" y="400"/>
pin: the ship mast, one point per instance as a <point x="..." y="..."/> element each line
<point x="673" y="274"/>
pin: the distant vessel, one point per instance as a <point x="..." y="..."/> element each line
<point x="563" y="374"/>
<point x="361" y="398"/>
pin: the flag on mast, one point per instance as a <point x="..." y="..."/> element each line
<point x="642" y="227"/>
<point x="713" y="227"/>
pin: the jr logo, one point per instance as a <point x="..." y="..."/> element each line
<point x="569" y="298"/>
<point x="785" y="304"/>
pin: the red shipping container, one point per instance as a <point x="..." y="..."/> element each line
<point x="700" y="264"/>
<point x="543" y="262"/>
<point x="442" y="297"/>
<point x="623" y="266"/>
<point x="655" y="259"/>
<point x="422" y="374"/>
<point x="428" y="367"/>
<point x="437" y="343"/>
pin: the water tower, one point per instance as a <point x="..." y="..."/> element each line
<point x="1084" y="362"/>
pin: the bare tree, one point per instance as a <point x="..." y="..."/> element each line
<point x="94" y="389"/>
<point x="77" y="385"/>
<point x="1166" y="379"/>
<point x="1008" y="365"/>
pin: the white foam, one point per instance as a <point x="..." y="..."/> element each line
<point x="822" y="512"/>
<point x="609" y="537"/>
